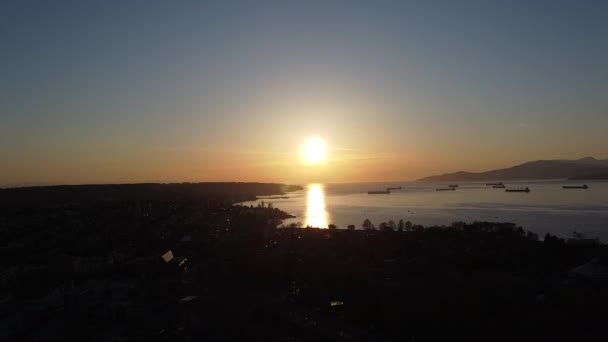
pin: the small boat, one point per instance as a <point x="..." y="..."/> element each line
<point x="453" y="185"/>
<point x="489" y="184"/>
<point x="584" y="186"/>
<point x="445" y="189"/>
<point x="378" y="192"/>
<point x="394" y="188"/>
<point x="526" y="189"/>
<point x="501" y="186"/>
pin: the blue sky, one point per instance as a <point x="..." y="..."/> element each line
<point x="126" y="91"/>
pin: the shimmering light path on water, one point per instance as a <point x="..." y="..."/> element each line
<point x="316" y="214"/>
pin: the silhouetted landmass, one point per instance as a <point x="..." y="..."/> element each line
<point x="596" y="176"/>
<point x="140" y="192"/>
<point x="202" y="267"/>
<point x="540" y="169"/>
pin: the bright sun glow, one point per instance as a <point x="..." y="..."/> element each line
<point x="314" y="151"/>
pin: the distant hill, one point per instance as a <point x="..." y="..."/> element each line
<point x="540" y="169"/>
<point x="594" y="176"/>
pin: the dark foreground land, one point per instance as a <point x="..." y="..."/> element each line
<point x="93" y="263"/>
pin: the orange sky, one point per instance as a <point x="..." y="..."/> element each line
<point x="218" y="92"/>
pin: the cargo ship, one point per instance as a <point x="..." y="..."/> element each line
<point x="445" y="189"/>
<point x="489" y="184"/>
<point x="501" y="186"/>
<point x="378" y="192"/>
<point x="526" y="189"/>
<point x="272" y="197"/>
<point x="584" y="186"/>
<point x="394" y="188"/>
<point x="453" y="185"/>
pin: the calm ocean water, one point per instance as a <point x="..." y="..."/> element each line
<point x="546" y="209"/>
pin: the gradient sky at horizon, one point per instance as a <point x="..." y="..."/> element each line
<point x="138" y="91"/>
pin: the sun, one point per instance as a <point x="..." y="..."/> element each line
<point x="314" y="151"/>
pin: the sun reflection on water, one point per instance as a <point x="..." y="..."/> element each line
<point x="316" y="215"/>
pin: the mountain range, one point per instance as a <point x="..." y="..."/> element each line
<point x="580" y="169"/>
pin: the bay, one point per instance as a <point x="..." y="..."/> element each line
<point x="547" y="208"/>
